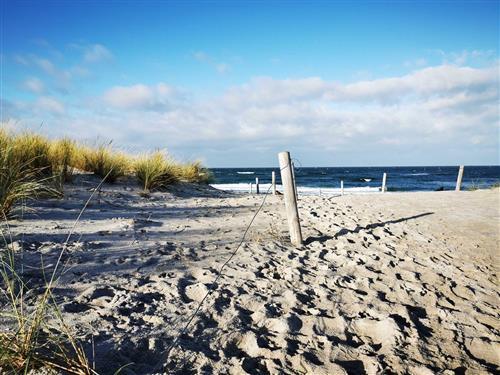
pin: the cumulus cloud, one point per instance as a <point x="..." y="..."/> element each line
<point x="441" y="105"/>
<point x="448" y="108"/>
<point x="141" y="97"/>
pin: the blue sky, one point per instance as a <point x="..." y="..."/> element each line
<point x="233" y="83"/>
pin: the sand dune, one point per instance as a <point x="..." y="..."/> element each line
<point x="395" y="283"/>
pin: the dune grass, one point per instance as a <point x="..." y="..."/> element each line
<point x="194" y="172"/>
<point x="33" y="151"/>
<point x="24" y="174"/>
<point x="63" y="158"/>
<point x="105" y="162"/>
<point x="155" y="171"/>
<point x="33" y="166"/>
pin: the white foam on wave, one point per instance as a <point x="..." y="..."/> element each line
<point x="302" y="190"/>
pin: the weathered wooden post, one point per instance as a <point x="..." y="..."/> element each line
<point x="294" y="182"/>
<point x="251" y="188"/>
<point x="459" y="178"/>
<point x="273" y="181"/>
<point x="257" y="185"/>
<point x="384" y="180"/>
<point x="341" y="187"/>
<point x="292" y="212"/>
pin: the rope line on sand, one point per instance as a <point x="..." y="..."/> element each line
<point x="214" y="284"/>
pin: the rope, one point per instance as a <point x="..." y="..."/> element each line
<point x="214" y="284"/>
<point x="219" y="274"/>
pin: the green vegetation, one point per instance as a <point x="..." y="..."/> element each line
<point x="32" y="166"/>
<point x="195" y="172"/>
<point x="155" y="171"/>
<point x="104" y="162"/>
<point x="63" y="158"/>
<point x="24" y="173"/>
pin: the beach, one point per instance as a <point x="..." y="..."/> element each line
<point x="384" y="283"/>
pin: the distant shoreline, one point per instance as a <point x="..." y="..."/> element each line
<point x="312" y="180"/>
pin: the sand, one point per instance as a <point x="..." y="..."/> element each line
<point x="402" y="283"/>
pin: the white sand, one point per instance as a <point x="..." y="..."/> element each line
<point x="393" y="283"/>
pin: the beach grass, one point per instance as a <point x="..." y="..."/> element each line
<point x="33" y="166"/>
<point x="105" y="162"/>
<point x="155" y="171"/>
<point x="63" y="157"/>
<point x="194" y="172"/>
<point x="23" y="173"/>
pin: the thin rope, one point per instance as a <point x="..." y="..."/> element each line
<point x="214" y="285"/>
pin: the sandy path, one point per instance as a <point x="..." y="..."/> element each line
<point x="394" y="283"/>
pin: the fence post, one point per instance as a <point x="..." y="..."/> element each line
<point x="292" y="212"/>
<point x="384" y="180"/>
<point x="294" y="183"/>
<point x="459" y="178"/>
<point x="257" y="185"/>
<point x="251" y="188"/>
<point x="273" y="181"/>
<point x="341" y="187"/>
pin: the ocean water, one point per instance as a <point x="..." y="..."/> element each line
<point x="326" y="180"/>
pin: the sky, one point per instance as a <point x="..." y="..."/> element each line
<point x="232" y="83"/>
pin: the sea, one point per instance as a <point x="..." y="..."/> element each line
<point x="359" y="180"/>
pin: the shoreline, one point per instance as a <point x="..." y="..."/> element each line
<point x="242" y="188"/>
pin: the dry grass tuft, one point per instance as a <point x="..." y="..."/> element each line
<point x="32" y="166"/>
<point x="155" y="171"/>
<point x="104" y="162"/>
<point x="32" y="150"/>
<point x="194" y="172"/>
<point x="63" y="156"/>
<point x="21" y="178"/>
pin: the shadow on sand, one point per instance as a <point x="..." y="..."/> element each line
<point x="324" y="237"/>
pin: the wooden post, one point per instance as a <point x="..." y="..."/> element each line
<point x="251" y="188"/>
<point x="292" y="212"/>
<point x="273" y="181"/>
<point x="294" y="183"/>
<point x="257" y="185"/>
<point x="459" y="178"/>
<point x="384" y="180"/>
<point x="341" y="187"/>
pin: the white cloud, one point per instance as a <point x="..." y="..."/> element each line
<point x="96" y="53"/>
<point x="34" y="85"/>
<point x="444" y="108"/>
<point x="141" y="97"/>
<point x="49" y="104"/>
